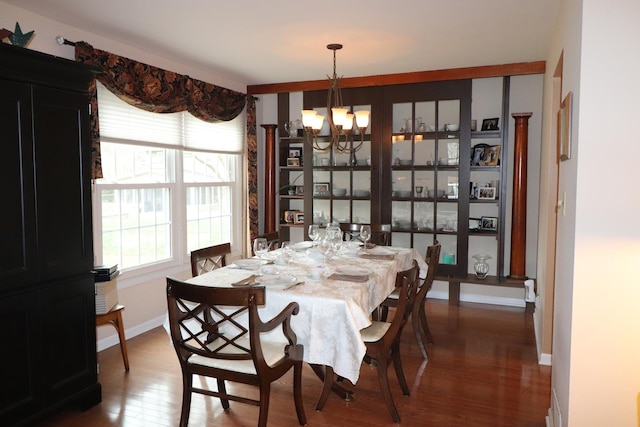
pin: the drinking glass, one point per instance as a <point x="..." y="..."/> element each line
<point x="325" y="248"/>
<point x="286" y="252"/>
<point x="314" y="233"/>
<point x="419" y="190"/>
<point x="365" y="235"/>
<point x="336" y="240"/>
<point x="260" y="247"/>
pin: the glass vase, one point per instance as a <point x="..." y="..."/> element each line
<point x="481" y="266"/>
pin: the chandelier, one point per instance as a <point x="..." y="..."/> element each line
<point x="339" y="118"/>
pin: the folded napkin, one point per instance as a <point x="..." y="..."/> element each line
<point x="349" y="278"/>
<point x="245" y="282"/>
<point x="388" y="257"/>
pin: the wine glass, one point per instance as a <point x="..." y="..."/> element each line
<point x="260" y="247"/>
<point x="325" y="248"/>
<point x="286" y="252"/>
<point x="419" y="189"/>
<point x="336" y="241"/>
<point x="365" y="235"/>
<point x="314" y="233"/>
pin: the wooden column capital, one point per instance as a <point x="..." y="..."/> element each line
<point x="269" y="178"/>
<point x="519" y="209"/>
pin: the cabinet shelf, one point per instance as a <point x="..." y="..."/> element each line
<point x="486" y="134"/>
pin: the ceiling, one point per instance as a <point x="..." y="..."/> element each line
<point x="258" y="42"/>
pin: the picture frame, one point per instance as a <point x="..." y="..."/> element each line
<point x="321" y="188"/>
<point x="491" y="156"/>
<point x="299" y="190"/>
<point x="564" y="128"/>
<point x="486" y="193"/>
<point x="477" y="154"/>
<point x="289" y="216"/>
<point x="489" y="223"/>
<point x="295" y="152"/>
<point x="298" y="218"/>
<point x="475" y="224"/>
<point x="293" y="161"/>
<point x="490" y="124"/>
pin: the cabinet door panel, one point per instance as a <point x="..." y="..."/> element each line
<point x="64" y="198"/>
<point x="19" y="370"/>
<point x="17" y="216"/>
<point x="69" y="342"/>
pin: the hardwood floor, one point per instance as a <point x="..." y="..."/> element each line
<point x="482" y="371"/>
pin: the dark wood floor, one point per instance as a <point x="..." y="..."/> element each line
<point x="482" y="371"/>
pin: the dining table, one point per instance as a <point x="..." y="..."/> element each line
<point x="336" y="296"/>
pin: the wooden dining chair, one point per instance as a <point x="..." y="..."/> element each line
<point x="418" y="311"/>
<point x="380" y="233"/>
<point x="273" y="239"/>
<point x="382" y="340"/>
<point x="221" y="346"/>
<point x="206" y="259"/>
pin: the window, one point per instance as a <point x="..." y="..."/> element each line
<point x="172" y="183"/>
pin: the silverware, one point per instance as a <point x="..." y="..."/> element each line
<point x="292" y="285"/>
<point x="245" y="282"/>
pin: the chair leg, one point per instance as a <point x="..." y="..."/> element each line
<point x="397" y="364"/>
<point x="425" y="325"/>
<point x="383" y="379"/>
<point x="297" y="393"/>
<point x="265" y="392"/>
<point x="326" y="388"/>
<point x="222" y="389"/>
<point x="384" y="311"/>
<point x="418" y="332"/>
<point x="187" y="383"/>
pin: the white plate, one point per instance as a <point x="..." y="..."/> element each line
<point x="248" y="264"/>
<point x="300" y="246"/>
<point x="275" y="279"/>
<point x="380" y="250"/>
<point x="352" y="271"/>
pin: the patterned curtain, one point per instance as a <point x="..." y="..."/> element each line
<point x="156" y="90"/>
<point x="252" y="170"/>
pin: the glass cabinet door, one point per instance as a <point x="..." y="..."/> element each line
<point x="425" y="146"/>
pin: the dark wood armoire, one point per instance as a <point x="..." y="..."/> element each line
<point x="47" y="293"/>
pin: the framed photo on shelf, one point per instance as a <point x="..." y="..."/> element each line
<point x="295" y="152"/>
<point x="490" y="124"/>
<point x="489" y="223"/>
<point x="321" y="188"/>
<point x="475" y="224"/>
<point x="298" y="218"/>
<point x="477" y="154"/>
<point x="293" y="161"/>
<point x="289" y="216"/>
<point x="491" y="156"/>
<point x="487" y="193"/>
<point x="299" y="190"/>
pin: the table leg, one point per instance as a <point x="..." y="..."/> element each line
<point x="325" y="373"/>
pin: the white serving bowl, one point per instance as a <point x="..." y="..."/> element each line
<point x="361" y="193"/>
<point x="453" y="127"/>
<point x="339" y="192"/>
<point x="405" y="162"/>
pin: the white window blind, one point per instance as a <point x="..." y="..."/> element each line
<point x="121" y="122"/>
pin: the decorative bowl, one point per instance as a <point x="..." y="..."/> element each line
<point x="339" y="192"/>
<point x="435" y="193"/>
<point x="361" y="193"/>
<point x="341" y="163"/>
<point x="405" y="162"/>
<point x="403" y="193"/>
<point x="452" y="127"/>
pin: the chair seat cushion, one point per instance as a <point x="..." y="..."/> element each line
<point x="272" y="351"/>
<point x="394" y="295"/>
<point x="374" y="332"/>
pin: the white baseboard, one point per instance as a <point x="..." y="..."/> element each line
<point x="481" y="299"/>
<point x="130" y="333"/>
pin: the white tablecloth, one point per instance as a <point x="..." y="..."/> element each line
<point x="332" y="312"/>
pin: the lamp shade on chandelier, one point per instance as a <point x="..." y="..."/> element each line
<point x="340" y="119"/>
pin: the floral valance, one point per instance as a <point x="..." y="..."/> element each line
<point x="161" y="91"/>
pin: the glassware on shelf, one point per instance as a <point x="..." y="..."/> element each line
<point x="481" y="266"/>
<point x="419" y="189"/>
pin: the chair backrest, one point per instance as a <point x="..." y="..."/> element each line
<point x="199" y="323"/>
<point x="407" y="281"/>
<point x="433" y="260"/>
<point x="380" y="233"/>
<point x="206" y="259"/>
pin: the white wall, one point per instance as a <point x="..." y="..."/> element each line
<point x="596" y="374"/>
<point x="144" y="297"/>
